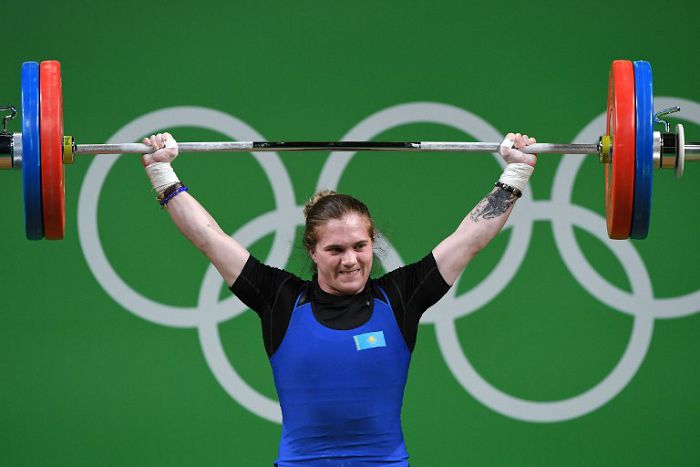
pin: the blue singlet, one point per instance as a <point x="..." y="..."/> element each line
<point x="341" y="391"/>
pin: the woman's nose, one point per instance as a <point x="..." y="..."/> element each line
<point x="349" y="258"/>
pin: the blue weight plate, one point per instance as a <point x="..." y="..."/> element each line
<point x="644" y="157"/>
<point x="31" y="152"/>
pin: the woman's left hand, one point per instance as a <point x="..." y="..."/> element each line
<point x="513" y="155"/>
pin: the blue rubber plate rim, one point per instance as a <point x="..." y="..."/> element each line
<point x="31" y="152"/>
<point x="644" y="157"/>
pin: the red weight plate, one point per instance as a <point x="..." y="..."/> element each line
<point x="619" y="173"/>
<point x="52" y="179"/>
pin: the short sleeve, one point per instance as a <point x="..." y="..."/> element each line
<point x="412" y="289"/>
<point x="271" y="293"/>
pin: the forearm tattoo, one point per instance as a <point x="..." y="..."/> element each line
<point x="494" y="205"/>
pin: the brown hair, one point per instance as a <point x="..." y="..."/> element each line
<point x="326" y="205"/>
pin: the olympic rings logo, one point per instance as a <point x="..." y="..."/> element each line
<point x="640" y="303"/>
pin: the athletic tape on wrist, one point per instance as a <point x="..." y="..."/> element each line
<point x="505" y="145"/>
<point x="170" y="143"/>
<point x="161" y="175"/>
<point x="516" y="175"/>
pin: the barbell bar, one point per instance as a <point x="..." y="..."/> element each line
<point x="270" y="146"/>
<point x="630" y="149"/>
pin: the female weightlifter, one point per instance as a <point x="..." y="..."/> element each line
<point x="340" y="344"/>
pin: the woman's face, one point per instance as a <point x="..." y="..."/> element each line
<point x="343" y="254"/>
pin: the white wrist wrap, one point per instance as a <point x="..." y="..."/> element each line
<point x="517" y="175"/>
<point x="170" y="143"/>
<point x="505" y="145"/>
<point x="161" y="175"/>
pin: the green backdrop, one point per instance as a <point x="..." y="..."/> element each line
<point x="120" y="346"/>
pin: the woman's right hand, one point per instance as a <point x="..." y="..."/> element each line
<point x="166" y="149"/>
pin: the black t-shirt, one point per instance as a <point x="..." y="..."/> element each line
<point x="272" y="293"/>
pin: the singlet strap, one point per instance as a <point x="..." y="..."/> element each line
<point x="386" y="297"/>
<point x="303" y="296"/>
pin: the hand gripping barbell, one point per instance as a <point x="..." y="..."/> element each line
<point x="630" y="149"/>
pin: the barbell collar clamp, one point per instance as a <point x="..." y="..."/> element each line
<point x="680" y="156"/>
<point x="11" y="151"/>
<point x="68" y="149"/>
<point x="656" y="149"/>
<point x="663" y="113"/>
<point x="17" y="151"/>
<point x="6" y="118"/>
<point x="669" y="143"/>
<point x="604" y="149"/>
<point x="5" y="151"/>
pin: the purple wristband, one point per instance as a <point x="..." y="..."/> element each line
<point x="165" y="200"/>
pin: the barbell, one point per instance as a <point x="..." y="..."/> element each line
<point x="630" y="148"/>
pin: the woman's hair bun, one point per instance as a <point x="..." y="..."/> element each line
<point x="314" y="199"/>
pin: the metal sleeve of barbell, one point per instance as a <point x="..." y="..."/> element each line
<point x="248" y="146"/>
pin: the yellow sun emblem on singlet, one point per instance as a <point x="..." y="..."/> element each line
<point x="369" y="340"/>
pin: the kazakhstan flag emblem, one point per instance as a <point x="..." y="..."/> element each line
<point x="369" y="340"/>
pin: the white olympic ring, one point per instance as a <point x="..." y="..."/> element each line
<point x="210" y="312"/>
